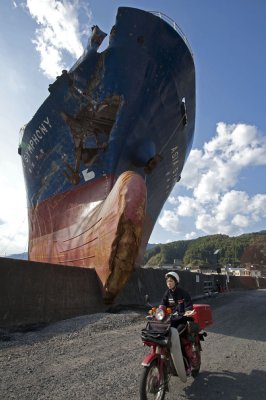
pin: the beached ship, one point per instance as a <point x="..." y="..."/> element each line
<point x="103" y="152"/>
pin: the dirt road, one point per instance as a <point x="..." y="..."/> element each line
<point x="99" y="356"/>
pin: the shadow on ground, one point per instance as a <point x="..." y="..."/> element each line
<point x="226" y="385"/>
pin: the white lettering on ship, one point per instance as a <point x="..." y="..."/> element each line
<point x="36" y="138"/>
<point x="175" y="162"/>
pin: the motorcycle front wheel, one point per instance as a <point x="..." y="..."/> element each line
<point x="153" y="384"/>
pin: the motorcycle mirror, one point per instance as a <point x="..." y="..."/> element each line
<point x="147" y="300"/>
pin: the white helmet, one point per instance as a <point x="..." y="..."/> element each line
<point x="173" y="275"/>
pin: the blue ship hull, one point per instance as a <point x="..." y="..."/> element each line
<point x="105" y="149"/>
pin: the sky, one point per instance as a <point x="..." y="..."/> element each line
<point x="222" y="187"/>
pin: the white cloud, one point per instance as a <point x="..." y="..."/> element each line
<point x="59" y="32"/>
<point x="230" y="204"/>
<point x="244" y="136"/>
<point x="172" y="200"/>
<point x="207" y="188"/>
<point x="169" y="220"/>
<point x="216" y="168"/>
<point x="14" y="237"/>
<point x="240" y="220"/>
<point x="211" y="176"/>
<point x="191" y="235"/>
<point x="257" y="207"/>
<point x="191" y="174"/>
<point x="13" y="211"/>
<point x="187" y="206"/>
<point x="206" y="223"/>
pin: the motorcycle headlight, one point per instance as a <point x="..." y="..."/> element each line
<point x="159" y="314"/>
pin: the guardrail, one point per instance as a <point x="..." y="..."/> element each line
<point x="208" y="287"/>
<point x="174" y="25"/>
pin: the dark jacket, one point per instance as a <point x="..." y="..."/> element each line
<point x="179" y="298"/>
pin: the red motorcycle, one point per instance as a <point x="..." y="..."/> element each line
<point x="173" y="352"/>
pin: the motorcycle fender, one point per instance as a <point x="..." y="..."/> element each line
<point x="177" y="356"/>
<point x="148" y="359"/>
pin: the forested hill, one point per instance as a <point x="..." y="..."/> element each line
<point x="209" y="251"/>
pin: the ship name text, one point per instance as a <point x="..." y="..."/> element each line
<point x="175" y="162"/>
<point x="36" y="138"/>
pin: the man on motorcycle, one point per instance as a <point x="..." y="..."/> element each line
<point x="177" y="298"/>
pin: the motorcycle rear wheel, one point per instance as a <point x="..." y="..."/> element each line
<point x="152" y="385"/>
<point x="195" y="372"/>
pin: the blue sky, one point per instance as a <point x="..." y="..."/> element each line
<point x="222" y="189"/>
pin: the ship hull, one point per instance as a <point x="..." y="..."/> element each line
<point x="103" y="152"/>
<point x="104" y="235"/>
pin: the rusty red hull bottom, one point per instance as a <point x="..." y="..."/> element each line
<point x="80" y="229"/>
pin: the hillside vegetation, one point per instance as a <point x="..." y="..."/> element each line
<point x="210" y="251"/>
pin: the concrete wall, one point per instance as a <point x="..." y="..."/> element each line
<point x="262" y="283"/>
<point x="243" y="282"/>
<point x="246" y="282"/>
<point x="35" y="293"/>
<point x="152" y="282"/>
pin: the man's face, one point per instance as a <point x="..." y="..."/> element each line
<point x="170" y="283"/>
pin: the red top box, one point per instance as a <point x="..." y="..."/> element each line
<point x="203" y="315"/>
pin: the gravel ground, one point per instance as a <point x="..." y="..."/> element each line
<point x="88" y="357"/>
<point x="99" y="356"/>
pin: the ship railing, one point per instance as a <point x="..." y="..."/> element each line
<point x="174" y="25"/>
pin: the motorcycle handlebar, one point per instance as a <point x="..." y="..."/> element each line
<point x="147" y="301"/>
